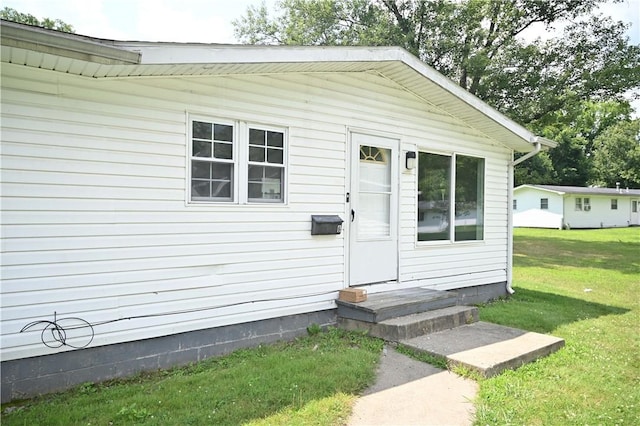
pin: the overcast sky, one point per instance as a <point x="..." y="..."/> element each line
<point x="200" y="21"/>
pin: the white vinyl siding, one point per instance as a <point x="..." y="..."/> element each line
<point x="95" y="225"/>
<point x="529" y="213"/>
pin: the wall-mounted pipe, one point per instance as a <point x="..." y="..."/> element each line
<point x="537" y="148"/>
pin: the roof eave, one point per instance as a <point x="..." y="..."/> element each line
<point x="66" y="45"/>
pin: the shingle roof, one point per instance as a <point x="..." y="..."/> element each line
<point x="585" y="190"/>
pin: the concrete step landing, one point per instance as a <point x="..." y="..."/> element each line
<point x="486" y="348"/>
<point x="383" y="306"/>
<point x="414" y="325"/>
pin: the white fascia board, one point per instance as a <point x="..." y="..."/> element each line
<point x="537" y="188"/>
<point x="178" y="53"/>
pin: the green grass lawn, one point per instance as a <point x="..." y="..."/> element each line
<point x="312" y="381"/>
<point x="583" y="286"/>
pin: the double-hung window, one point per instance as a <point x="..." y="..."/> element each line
<point x="614" y="204"/>
<point x="266" y="165"/>
<point x="579" y="204"/>
<point x="212" y="161"/>
<point x="236" y="162"/>
<point x="450" y="197"/>
<point x="544" y="204"/>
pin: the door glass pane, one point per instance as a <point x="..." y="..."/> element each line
<point x="374" y="207"/>
<point x="374" y="216"/>
<point x="434" y="183"/>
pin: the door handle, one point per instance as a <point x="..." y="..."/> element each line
<point x="353" y="215"/>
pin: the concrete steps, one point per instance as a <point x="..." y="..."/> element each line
<point x="383" y="306"/>
<point x="430" y="321"/>
<point x="486" y="348"/>
<point x="414" y="325"/>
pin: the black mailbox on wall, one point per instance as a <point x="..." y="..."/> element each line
<point x="326" y="224"/>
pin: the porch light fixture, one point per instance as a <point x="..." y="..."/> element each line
<point x="410" y="160"/>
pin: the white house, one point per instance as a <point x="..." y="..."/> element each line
<point x="157" y="198"/>
<point x="549" y="206"/>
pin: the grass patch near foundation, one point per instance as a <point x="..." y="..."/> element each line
<point x="312" y="380"/>
<point x="583" y="286"/>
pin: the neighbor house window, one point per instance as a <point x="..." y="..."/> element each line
<point x="442" y="203"/>
<point x="634" y="206"/>
<point x="587" y="204"/>
<point x="544" y="203"/>
<point x="232" y="165"/>
<point x="614" y="204"/>
<point x="515" y="204"/>
<point x="578" y="203"/>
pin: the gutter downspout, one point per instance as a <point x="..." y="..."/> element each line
<point x="512" y="164"/>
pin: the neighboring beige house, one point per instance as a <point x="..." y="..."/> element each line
<point x="549" y="206"/>
<point x="157" y="198"/>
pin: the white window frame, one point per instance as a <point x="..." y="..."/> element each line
<point x="240" y="161"/>
<point x="614" y="204"/>
<point x="586" y="204"/>
<point x="578" y="204"/>
<point x="544" y="203"/>
<point x="452" y="199"/>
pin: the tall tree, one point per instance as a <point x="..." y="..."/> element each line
<point x="13" y="15"/>
<point x="479" y="44"/>
<point x="617" y="159"/>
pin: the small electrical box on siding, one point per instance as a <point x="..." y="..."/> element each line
<point x="326" y="224"/>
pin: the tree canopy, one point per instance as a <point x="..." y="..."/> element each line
<point x="13" y="15"/>
<point x="570" y="87"/>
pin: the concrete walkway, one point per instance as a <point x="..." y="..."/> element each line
<point x="410" y="392"/>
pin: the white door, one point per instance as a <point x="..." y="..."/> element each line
<point x="373" y="233"/>
<point x="635" y="211"/>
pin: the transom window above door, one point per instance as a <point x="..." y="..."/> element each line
<point x="373" y="154"/>
<point x="236" y="162"/>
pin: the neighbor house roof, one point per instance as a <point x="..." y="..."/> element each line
<point x="100" y="59"/>
<point x="580" y="190"/>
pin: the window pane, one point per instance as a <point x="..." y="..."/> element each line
<point x="212" y="181"/>
<point x="256" y="137"/>
<point x="221" y="190"/>
<point x="469" y="198"/>
<point x="221" y="171"/>
<point x="375" y="176"/>
<point x="434" y="182"/>
<point x="223" y="150"/>
<point x="201" y="149"/>
<point x="256" y="154"/>
<point x="275" y="139"/>
<point x="274" y="156"/>
<point x="201" y="130"/>
<point x="201" y="169"/>
<point x="265" y="183"/>
<point x="223" y="132"/>
<point x="200" y="188"/>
